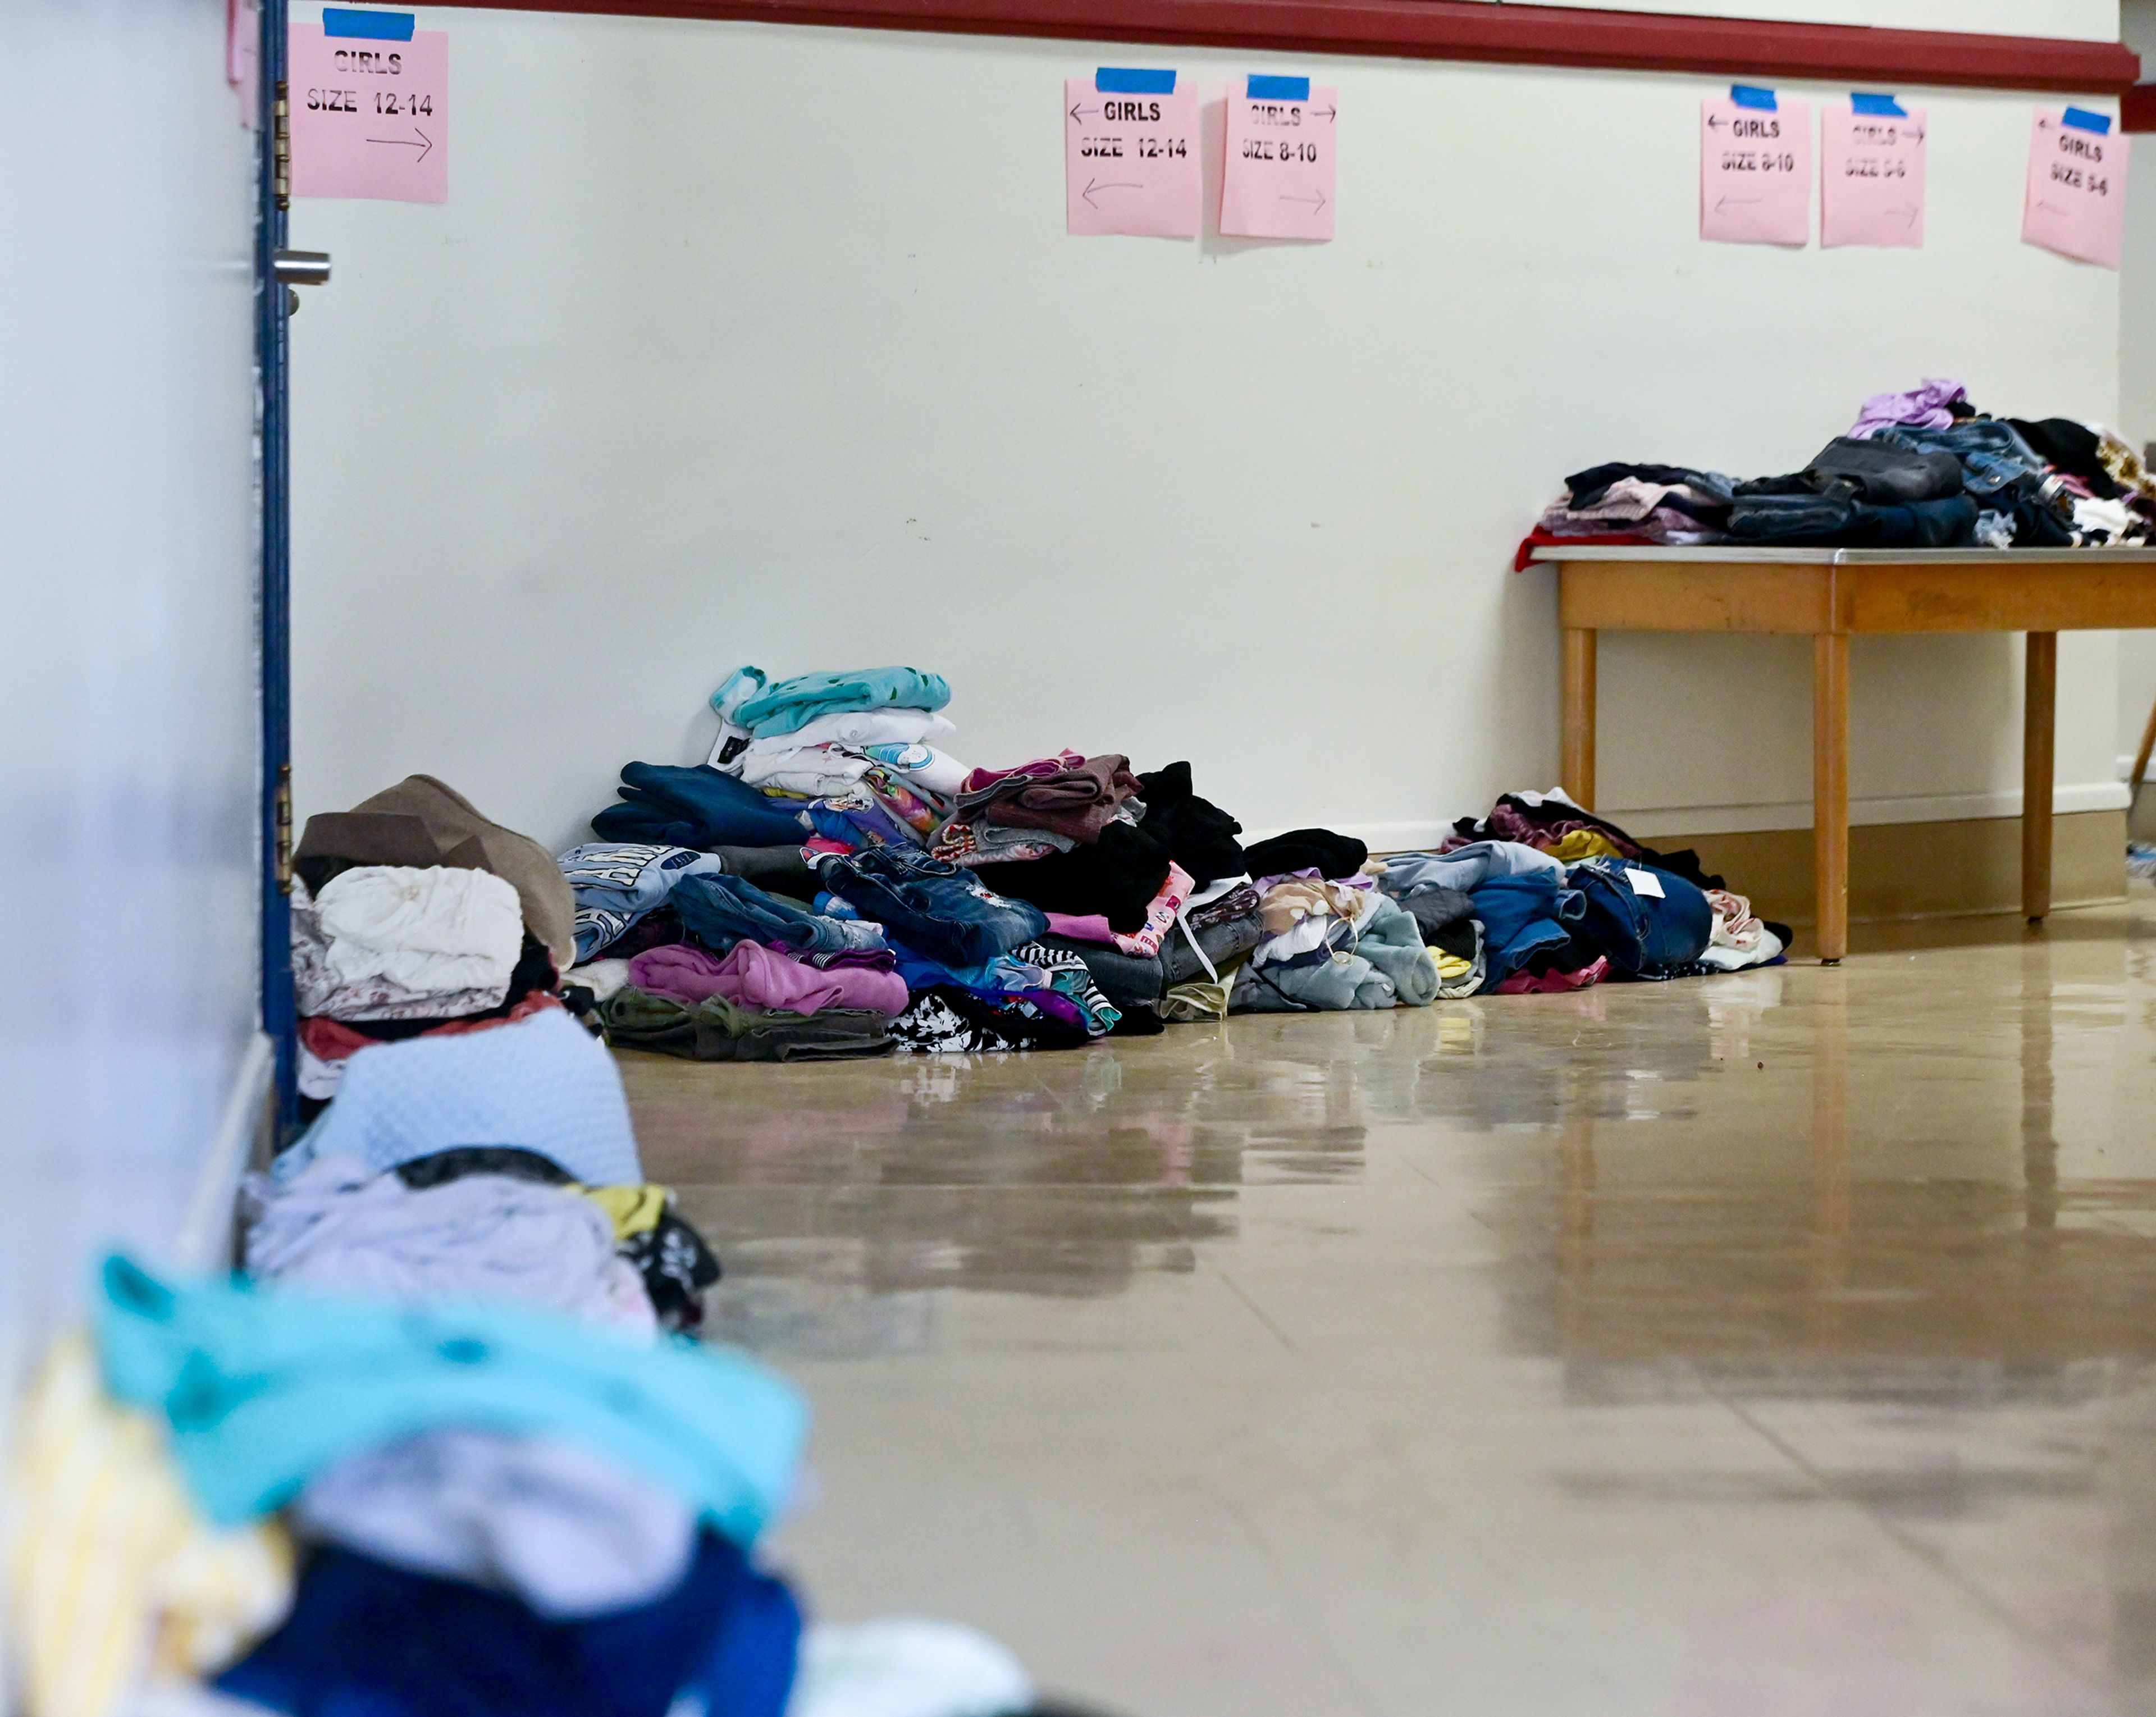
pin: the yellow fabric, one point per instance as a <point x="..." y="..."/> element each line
<point x="114" y="1578"/>
<point x="1450" y="968"/>
<point x="1584" y="844"/>
<point x="631" y="1210"/>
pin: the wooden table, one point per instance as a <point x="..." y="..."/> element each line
<point x="1830" y="594"/>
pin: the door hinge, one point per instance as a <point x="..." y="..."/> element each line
<point x="280" y="147"/>
<point x="283" y="815"/>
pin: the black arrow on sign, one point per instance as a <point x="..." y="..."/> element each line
<point x="1722" y="203"/>
<point x="1908" y="215"/>
<point x="1318" y="199"/>
<point x="1327" y="114"/>
<point x="1075" y="112"/>
<point x="1714" y="124"/>
<point x="425" y="145"/>
<point x="1120" y="185"/>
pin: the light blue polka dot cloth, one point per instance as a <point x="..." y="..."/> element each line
<point x="545" y="1084"/>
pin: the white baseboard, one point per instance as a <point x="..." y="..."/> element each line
<point x="1651" y="822"/>
<point x="204" y="1242"/>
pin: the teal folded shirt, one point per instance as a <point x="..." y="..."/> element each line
<point x="264" y="1389"/>
<point x="749" y="700"/>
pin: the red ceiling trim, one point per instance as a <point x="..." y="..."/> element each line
<point x="2137" y="108"/>
<point x="1469" y="30"/>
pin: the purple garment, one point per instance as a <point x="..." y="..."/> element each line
<point x="754" y="976"/>
<point x="1923" y="408"/>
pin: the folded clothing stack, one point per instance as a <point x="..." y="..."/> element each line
<point x="414" y="916"/>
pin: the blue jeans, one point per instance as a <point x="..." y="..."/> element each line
<point x="1645" y="935"/>
<point x="930" y="905"/>
<point x="721" y="911"/>
<point x="1996" y="464"/>
<point x="615" y="885"/>
<point x="1521" y="915"/>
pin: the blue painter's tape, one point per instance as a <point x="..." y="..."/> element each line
<point x="2081" y="120"/>
<point x="367" y="26"/>
<point x="1116" y="80"/>
<point x="1751" y="96"/>
<point x="1884" y="106"/>
<point x="1277" y="89"/>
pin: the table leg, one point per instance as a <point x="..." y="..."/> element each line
<point x="2039" y="711"/>
<point x="1578" y="773"/>
<point x="1830" y="791"/>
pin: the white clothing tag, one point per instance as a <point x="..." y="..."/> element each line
<point x="1646" y="882"/>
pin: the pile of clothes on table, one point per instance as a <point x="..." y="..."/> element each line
<point x="831" y="882"/>
<point x="440" y="1452"/>
<point x="415" y="918"/>
<point x="1924" y="469"/>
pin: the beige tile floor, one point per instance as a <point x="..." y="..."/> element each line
<point x="1776" y="1345"/>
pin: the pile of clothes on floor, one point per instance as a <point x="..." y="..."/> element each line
<point x="439" y="1452"/>
<point x="833" y="882"/>
<point x="1924" y="469"/>
<point x="1542" y="895"/>
<point x="414" y="917"/>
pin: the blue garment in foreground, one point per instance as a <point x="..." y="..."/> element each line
<point x="694" y="806"/>
<point x="1521" y="914"/>
<point x="264" y="1389"/>
<point x="366" y="1639"/>
<point x="748" y="700"/>
<point x="544" y="1083"/>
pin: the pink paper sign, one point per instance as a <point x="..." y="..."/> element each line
<point x="1871" y="177"/>
<point x="1130" y="162"/>
<point x="2075" y="202"/>
<point x="1278" y="181"/>
<point x="370" y="118"/>
<point x="1755" y="171"/>
<point x="243" y="56"/>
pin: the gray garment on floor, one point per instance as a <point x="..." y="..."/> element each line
<point x="1128" y="980"/>
<point x="1435" y="910"/>
<point x="779" y="870"/>
<point x="1465" y="869"/>
<point x="335" y="1228"/>
<point x="1384" y="965"/>
<point x="1330" y="986"/>
<point x="569" y="1532"/>
<point x="1390" y="940"/>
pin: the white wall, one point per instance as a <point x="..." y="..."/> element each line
<point x="2137" y="366"/>
<point x="739" y="342"/>
<point x="127" y="668"/>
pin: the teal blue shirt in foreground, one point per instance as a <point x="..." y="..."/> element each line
<point x="264" y="1389"/>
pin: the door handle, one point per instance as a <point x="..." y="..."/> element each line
<point x="298" y="268"/>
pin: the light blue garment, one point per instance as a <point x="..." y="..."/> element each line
<point x="544" y="1083"/>
<point x="265" y="1389"/>
<point x="616" y="883"/>
<point x="1466" y="868"/>
<point x="1390" y="939"/>
<point x="749" y="700"/>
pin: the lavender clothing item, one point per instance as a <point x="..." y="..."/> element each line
<point x="1923" y="408"/>
<point x="752" y="975"/>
